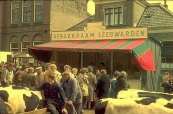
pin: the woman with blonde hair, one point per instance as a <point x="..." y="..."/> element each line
<point x="165" y="84"/>
<point x="47" y="67"/>
<point x="57" y="73"/>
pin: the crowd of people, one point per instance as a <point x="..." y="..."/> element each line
<point x="70" y="91"/>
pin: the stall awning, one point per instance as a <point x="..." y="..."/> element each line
<point x="139" y="47"/>
<point x="90" y="45"/>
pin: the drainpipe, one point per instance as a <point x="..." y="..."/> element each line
<point x="1" y="14"/>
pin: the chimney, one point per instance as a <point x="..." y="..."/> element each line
<point x="166" y="6"/>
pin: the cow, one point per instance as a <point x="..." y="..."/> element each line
<point x="21" y="100"/>
<point x="2" y="107"/>
<point x="135" y="93"/>
<point x="136" y="102"/>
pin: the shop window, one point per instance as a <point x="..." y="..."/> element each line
<point x="39" y="10"/>
<point x="25" y="42"/>
<point x="14" y="44"/>
<point x="167" y="62"/>
<point x="168" y="45"/>
<point x="113" y="16"/>
<point x="26" y="10"/>
<point x="15" y="12"/>
<point x="37" y="40"/>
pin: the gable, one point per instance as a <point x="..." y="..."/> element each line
<point x="156" y="16"/>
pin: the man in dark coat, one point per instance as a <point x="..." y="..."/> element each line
<point x="29" y="79"/>
<point x="53" y="93"/>
<point x="121" y="84"/>
<point x="102" y="88"/>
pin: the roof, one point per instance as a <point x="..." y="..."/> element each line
<point x="162" y="36"/>
<point x="82" y="24"/>
<point x="156" y="15"/>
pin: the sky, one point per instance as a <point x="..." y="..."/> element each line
<point x="91" y="5"/>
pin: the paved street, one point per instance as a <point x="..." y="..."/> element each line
<point x="88" y="112"/>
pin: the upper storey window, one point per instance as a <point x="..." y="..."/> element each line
<point x="113" y="16"/>
<point x="39" y="10"/>
<point x="26" y="10"/>
<point x="15" y="12"/>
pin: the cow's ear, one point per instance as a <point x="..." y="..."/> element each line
<point x="9" y="108"/>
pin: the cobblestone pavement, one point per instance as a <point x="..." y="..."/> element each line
<point x="88" y="112"/>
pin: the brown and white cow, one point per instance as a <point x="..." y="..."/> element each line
<point x="136" y="102"/>
<point x="21" y="100"/>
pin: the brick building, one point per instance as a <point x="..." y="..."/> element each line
<point x="26" y="22"/>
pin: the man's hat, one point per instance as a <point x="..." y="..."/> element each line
<point x="38" y="68"/>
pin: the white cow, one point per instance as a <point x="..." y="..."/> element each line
<point x="136" y="102"/>
<point x="20" y="100"/>
<point x="132" y="106"/>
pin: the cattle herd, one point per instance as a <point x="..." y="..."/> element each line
<point x="133" y="101"/>
<point x="129" y="101"/>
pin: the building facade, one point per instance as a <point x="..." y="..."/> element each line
<point x="138" y="13"/>
<point x="26" y="22"/>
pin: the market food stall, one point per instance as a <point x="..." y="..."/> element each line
<point x="127" y="49"/>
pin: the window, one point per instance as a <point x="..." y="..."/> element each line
<point x="167" y="48"/>
<point x="26" y="10"/>
<point x="25" y="42"/>
<point x="167" y="45"/>
<point x="37" y="40"/>
<point x="39" y="10"/>
<point x="15" y="12"/>
<point x="167" y="62"/>
<point x="113" y="16"/>
<point x="14" y="44"/>
<point x="167" y="56"/>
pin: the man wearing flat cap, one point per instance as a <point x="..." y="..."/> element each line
<point x="72" y="92"/>
<point x="39" y="76"/>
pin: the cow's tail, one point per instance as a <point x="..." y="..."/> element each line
<point x="10" y="108"/>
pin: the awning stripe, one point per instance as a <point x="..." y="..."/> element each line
<point x="134" y="44"/>
<point x="83" y="44"/>
<point x="106" y="45"/>
<point x="115" y="44"/>
<point x="92" y="44"/>
<point x="65" y="45"/>
<point x="124" y="44"/>
<point x="99" y="44"/>
<point x="50" y="44"/>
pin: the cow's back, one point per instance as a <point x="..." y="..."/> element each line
<point x="21" y="100"/>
